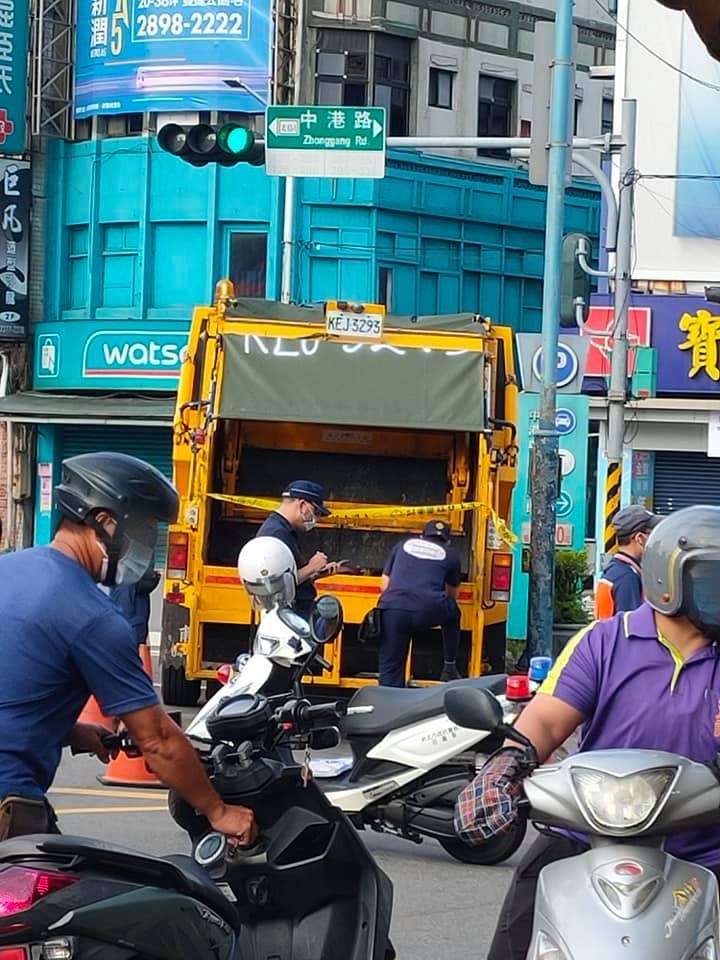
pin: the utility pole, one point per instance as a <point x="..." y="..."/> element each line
<point x="545" y="460"/>
<point x="617" y="392"/>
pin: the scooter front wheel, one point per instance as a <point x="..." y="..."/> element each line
<point x="490" y="852"/>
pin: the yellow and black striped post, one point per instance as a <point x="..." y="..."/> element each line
<point x="612" y="504"/>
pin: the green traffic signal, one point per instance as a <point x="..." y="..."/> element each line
<point x="202" y="143"/>
<point x="235" y="139"/>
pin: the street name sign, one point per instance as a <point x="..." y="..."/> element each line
<point x="317" y="141"/>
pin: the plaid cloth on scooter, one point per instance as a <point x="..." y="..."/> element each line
<point x="489" y="804"/>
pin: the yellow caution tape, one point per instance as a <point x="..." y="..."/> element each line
<point x="389" y="512"/>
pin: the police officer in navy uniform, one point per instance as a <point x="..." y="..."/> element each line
<point x="303" y="504"/>
<point x="419" y="590"/>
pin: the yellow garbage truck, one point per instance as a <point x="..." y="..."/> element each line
<point x="400" y="418"/>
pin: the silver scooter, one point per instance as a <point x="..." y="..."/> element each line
<point x="625" y="898"/>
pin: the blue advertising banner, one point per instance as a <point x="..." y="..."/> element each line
<point x="168" y="55"/>
<point x="697" y="199"/>
<point x="14" y="32"/>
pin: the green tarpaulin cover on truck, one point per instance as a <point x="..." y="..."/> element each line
<point x="316" y="381"/>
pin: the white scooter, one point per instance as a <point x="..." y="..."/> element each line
<point x="409" y="762"/>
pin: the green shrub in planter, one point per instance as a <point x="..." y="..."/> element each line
<point x="571" y="570"/>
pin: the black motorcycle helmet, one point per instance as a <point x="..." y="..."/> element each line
<point x="133" y="492"/>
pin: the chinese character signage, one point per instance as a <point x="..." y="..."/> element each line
<point x="14" y="32"/>
<point x="15" y="186"/>
<point x="166" y="55"/>
<point x="702" y="335"/>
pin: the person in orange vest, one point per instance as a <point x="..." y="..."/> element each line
<point x="619" y="589"/>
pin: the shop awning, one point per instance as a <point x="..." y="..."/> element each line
<point x="37" y="406"/>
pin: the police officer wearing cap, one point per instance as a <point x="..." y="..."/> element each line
<point x="619" y="590"/>
<point x="419" y="591"/>
<point x="303" y="504"/>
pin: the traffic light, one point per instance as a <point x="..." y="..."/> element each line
<point x="575" y="284"/>
<point x="202" y="144"/>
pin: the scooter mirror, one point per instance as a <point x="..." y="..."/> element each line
<point x="473" y="708"/>
<point x="326" y="619"/>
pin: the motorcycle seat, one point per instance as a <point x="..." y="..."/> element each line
<point x="395" y="707"/>
<point x="175" y="872"/>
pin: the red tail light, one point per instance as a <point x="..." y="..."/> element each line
<point x="501" y="577"/>
<point x="177" y="559"/>
<point x="224" y="675"/>
<point x="14" y="953"/>
<point x="21" y="887"/>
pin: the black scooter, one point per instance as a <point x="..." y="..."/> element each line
<point x="308" y="890"/>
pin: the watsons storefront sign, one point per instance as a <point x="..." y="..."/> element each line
<point x="108" y="353"/>
<point x="75" y="356"/>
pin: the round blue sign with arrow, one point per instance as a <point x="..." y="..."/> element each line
<point x="565" y="421"/>
<point x="564" y="505"/>
<point x="567" y="365"/>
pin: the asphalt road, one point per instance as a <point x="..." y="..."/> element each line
<point x="443" y="910"/>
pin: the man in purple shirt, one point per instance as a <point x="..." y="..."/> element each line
<point x="646" y="679"/>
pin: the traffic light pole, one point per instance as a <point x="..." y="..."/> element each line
<point x="617" y="392"/>
<point x="544" y="466"/>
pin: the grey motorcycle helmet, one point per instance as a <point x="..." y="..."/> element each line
<point x="689" y="535"/>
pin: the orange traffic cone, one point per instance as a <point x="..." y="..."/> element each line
<point x="92" y="713"/>
<point x="124" y="771"/>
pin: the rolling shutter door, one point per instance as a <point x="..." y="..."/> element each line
<point x="152" y="444"/>
<point x="685" y="479"/>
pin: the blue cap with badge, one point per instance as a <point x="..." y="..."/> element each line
<point x="310" y="491"/>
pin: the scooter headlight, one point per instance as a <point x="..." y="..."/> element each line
<point x="618" y="804"/>
<point x="708" y="951"/>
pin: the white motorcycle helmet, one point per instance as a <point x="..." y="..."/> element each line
<point x="268" y="571"/>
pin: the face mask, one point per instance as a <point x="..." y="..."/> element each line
<point x="309" y="523"/>
<point x="133" y="564"/>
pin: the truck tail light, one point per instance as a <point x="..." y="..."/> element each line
<point x="501" y="577"/>
<point x="177" y="560"/>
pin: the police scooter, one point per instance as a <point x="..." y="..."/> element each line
<point x="625" y="898"/>
<point x="408" y="762"/>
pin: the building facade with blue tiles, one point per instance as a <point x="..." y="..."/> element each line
<point x="132" y="238"/>
<point x="139" y="238"/>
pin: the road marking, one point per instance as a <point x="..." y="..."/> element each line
<point x="140" y="809"/>
<point x="105" y="792"/>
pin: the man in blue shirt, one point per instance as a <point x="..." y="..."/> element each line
<point x="303" y="504"/>
<point x="62" y="639"/>
<point x="619" y="590"/>
<point x="419" y="590"/>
